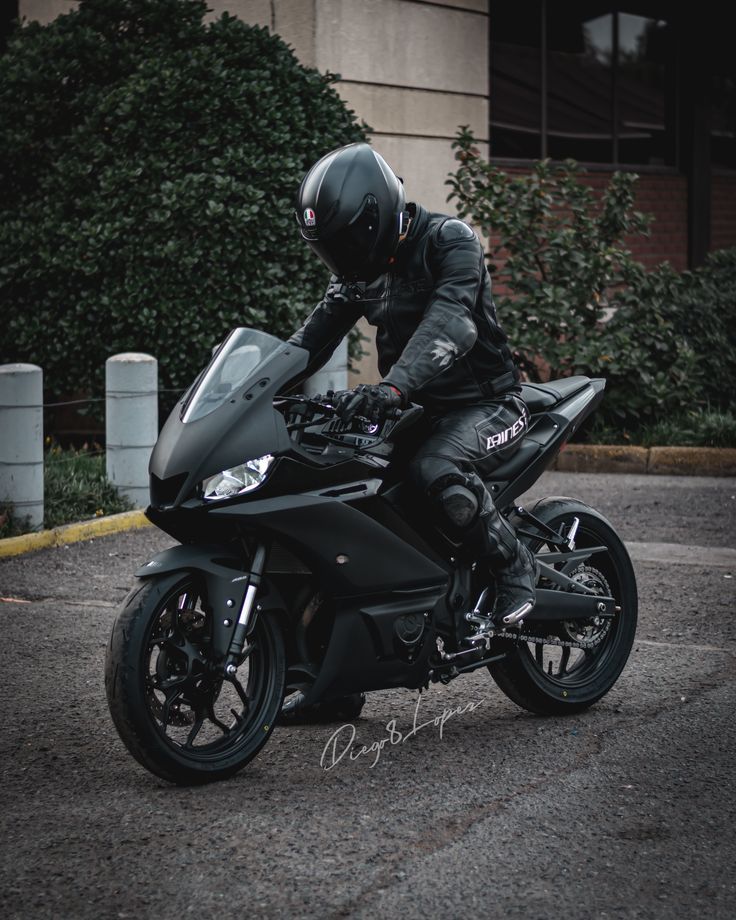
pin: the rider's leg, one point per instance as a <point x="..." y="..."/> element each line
<point x="443" y="468"/>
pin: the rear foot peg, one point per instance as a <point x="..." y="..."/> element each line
<point x="516" y="617"/>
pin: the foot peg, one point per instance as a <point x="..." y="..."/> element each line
<point x="517" y="616"/>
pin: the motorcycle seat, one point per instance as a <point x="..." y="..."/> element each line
<point x="541" y="396"/>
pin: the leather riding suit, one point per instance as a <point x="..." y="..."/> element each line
<point x="439" y="342"/>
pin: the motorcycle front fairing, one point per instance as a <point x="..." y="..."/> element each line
<point x="226" y="417"/>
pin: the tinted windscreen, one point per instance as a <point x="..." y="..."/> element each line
<point x="243" y="353"/>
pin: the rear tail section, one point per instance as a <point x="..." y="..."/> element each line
<point x="557" y="408"/>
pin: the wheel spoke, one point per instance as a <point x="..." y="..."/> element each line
<point x="198" y="722"/>
<point x="245" y="700"/>
<point x="225" y="729"/>
<point x="539" y="655"/>
<point x="166" y="707"/>
<point x="564" y="658"/>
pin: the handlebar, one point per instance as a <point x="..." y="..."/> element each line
<point x="324" y="406"/>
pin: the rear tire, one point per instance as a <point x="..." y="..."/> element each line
<point x="170" y="705"/>
<point x="557" y="684"/>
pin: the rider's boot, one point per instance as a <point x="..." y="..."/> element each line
<point x="515" y="587"/>
<point x="510" y="562"/>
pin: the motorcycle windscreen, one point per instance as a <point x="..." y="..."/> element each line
<point x="239" y="357"/>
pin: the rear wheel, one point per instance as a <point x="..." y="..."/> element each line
<point x="171" y="705"/>
<point x="581" y="659"/>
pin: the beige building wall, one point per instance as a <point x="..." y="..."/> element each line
<point x="43" y="11"/>
<point x="413" y="70"/>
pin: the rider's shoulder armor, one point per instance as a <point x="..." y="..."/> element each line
<point x="453" y="230"/>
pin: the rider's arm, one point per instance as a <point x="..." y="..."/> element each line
<point x="331" y="320"/>
<point x="447" y="330"/>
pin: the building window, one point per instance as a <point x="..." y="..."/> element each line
<point x="723" y="120"/>
<point x="8" y="21"/>
<point x="587" y="80"/>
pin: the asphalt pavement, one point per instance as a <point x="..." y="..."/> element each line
<point x="626" y="811"/>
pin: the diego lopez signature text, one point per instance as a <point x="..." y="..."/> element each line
<point x="341" y="743"/>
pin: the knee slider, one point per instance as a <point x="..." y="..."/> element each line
<point x="458" y="505"/>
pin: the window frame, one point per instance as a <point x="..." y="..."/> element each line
<point x="672" y="106"/>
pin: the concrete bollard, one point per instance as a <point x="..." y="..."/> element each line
<point x="21" y="441"/>
<point x="333" y="376"/>
<point x="131" y="423"/>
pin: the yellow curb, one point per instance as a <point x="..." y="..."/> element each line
<point x="693" y="461"/>
<point x="73" y="533"/>
<point x="602" y="458"/>
<point x="662" y="461"/>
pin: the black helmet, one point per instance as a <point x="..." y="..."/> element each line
<point x="349" y="210"/>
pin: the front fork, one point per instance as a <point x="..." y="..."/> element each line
<point x="248" y="613"/>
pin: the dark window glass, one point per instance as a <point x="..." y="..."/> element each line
<point x="516" y="107"/>
<point x="579" y="84"/>
<point x="723" y="122"/>
<point x="8" y="20"/>
<point x="641" y="90"/>
<point x="584" y="79"/>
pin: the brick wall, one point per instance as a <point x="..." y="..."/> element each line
<point x="664" y="197"/>
<point x="723" y="211"/>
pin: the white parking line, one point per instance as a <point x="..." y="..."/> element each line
<point x="682" y="554"/>
<point x="686" y="646"/>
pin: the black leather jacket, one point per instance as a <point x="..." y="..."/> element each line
<point x="438" y="337"/>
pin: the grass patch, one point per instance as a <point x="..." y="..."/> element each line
<point x="76" y="488"/>
<point x="696" y="428"/>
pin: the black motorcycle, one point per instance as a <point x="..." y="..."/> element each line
<point x="308" y="569"/>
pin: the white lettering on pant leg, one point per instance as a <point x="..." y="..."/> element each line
<point x="496" y="440"/>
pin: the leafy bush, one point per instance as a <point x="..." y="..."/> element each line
<point x="651" y="367"/>
<point x="148" y="167"/>
<point x="695" y="428"/>
<point x="670" y="344"/>
<point x="579" y="303"/>
<point x="559" y="249"/>
<point x="706" y="317"/>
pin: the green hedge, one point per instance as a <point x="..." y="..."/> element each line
<point x="579" y="303"/>
<point x="148" y="168"/>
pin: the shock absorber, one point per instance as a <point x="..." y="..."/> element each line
<point x="246" y="618"/>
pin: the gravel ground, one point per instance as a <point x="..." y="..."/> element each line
<point x="625" y="811"/>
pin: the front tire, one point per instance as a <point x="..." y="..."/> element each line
<point x="170" y="704"/>
<point x="548" y="679"/>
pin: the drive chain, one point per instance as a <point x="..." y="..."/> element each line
<point x="551" y="640"/>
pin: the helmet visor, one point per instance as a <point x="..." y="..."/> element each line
<point x="350" y="251"/>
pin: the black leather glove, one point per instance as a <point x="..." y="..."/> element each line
<point x="374" y="401"/>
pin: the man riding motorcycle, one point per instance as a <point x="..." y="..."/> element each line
<point x="420" y="278"/>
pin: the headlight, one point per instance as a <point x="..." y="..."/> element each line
<point x="239" y="479"/>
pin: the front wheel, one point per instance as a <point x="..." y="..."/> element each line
<point x="172" y="707"/>
<point x="581" y="659"/>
